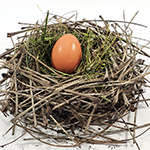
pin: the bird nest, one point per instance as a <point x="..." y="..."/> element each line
<point x="52" y="105"/>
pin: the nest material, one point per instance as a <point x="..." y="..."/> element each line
<point x="106" y="86"/>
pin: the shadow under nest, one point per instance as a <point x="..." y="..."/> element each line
<point x="105" y="87"/>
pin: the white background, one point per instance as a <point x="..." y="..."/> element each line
<point x="26" y="11"/>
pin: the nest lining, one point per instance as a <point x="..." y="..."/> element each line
<point x="106" y="86"/>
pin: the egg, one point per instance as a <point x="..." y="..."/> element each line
<point x="66" y="54"/>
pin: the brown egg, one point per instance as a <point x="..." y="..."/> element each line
<point x="66" y="54"/>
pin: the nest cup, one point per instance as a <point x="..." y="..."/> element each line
<point x="105" y="87"/>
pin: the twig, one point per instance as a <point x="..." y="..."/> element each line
<point x="34" y="114"/>
<point x="63" y="129"/>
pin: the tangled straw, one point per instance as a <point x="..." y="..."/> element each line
<point x="49" y="104"/>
